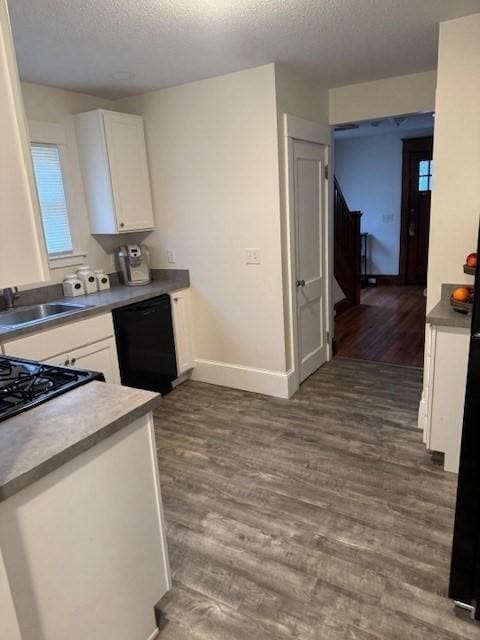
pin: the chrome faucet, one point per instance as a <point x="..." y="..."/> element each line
<point x="10" y="294"/>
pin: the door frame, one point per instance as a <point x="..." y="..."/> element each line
<point x="409" y="145"/>
<point x="295" y="128"/>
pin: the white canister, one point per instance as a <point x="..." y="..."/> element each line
<point x="72" y="286"/>
<point x="87" y="276"/>
<point x="103" y="281"/>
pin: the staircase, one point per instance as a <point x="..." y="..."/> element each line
<point x="346" y="250"/>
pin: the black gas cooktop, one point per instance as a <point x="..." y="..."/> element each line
<point x="25" y="383"/>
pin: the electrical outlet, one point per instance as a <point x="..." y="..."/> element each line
<point x="252" y="256"/>
<point x="171" y="256"/>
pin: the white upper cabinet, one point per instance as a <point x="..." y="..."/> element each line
<point x="22" y="247"/>
<point x="114" y="165"/>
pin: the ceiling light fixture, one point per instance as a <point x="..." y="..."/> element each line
<point x="122" y="75"/>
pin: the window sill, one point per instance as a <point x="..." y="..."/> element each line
<point x="70" y="260"/>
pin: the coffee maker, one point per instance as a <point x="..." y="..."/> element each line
<point x="133" y="261"/>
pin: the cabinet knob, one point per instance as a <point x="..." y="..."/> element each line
<point x="73" y="361"/>
<point x="122" y="224"/>
<point x="175" y="299"/>
<point x="67" y="362"/>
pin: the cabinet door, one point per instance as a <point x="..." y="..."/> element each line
<point x="62" y="360"/>
<point x="22" y="248"/>
<point x="182" y="330"/>
<point x="127" y="156"/>
<point x="100" y="356"/>
<point x="449" y="377"/>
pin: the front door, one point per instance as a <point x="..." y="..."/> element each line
<point x="309" y="197"/>
<point x="417" y="185"/>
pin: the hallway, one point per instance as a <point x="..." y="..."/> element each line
<point x="321" y="517"/>
<point x="387" y="326"/>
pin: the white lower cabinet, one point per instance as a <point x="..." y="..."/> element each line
<point x="87" y="344"/>
<point x="9" y="629"/>
<point x="182" y="330"/>
<point x="99" y="356"/>
<point x="445" y="375"/>
<point x="84" y="548"/>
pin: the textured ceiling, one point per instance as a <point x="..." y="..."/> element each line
<point x="77" y="44"/>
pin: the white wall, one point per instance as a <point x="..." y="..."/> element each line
<point x="456" y="192"/>
<point x="369" y="171"/>
<point x="212" y="148"/>
<point x="217" y="168"/>
<point x="300" y="96"/>
<point x="399" y="95"/>
<point x="49" y="105"/>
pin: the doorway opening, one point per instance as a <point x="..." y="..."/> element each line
<point x="383" y="180"/>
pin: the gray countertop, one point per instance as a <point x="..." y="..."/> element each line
<point x="103" y="301"/>
<point x="444" y="315"/>
<point x="38" y="441"/>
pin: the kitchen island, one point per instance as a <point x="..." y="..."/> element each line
<point x="82" y="543"/>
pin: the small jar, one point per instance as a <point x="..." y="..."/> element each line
<point x="87" y="276"/>
<point x="103" y="281"/>
<point x="72" y="286"/>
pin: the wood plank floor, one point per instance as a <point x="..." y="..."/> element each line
<point x="321" y="517"/>
<point x="388" y="326"/>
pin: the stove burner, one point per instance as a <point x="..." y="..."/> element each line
<point x="24" y="383"/>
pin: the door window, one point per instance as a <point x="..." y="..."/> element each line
<point x="425" y="174"/>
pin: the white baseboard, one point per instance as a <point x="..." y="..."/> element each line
<point x="153" y="635"/>
<point x="271" y="383"/>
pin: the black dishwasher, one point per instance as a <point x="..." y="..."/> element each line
<point x="146" y="345"/>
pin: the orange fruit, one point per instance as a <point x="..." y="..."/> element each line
<point x="462" y="294"/>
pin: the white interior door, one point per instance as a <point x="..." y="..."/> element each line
<point x="309" y="212"/>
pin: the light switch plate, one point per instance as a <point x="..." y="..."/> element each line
<point x="252" y="256"/>
<point x="171" y="256"/>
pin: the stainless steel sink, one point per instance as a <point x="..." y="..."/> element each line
<point x="37" y="313"/>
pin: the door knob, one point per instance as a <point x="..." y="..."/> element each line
<point x="300" y="283"/>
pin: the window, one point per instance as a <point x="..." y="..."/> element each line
<point x="51" y="195"/>
<point x="425" y="172"/>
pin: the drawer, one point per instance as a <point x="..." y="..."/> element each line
<point x="46" y="344"/>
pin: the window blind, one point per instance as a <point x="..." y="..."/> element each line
<point x="51" y="195"/>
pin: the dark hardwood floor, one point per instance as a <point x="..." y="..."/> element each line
<point x="387" y="326"/>
<point x="317" y="518"/>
